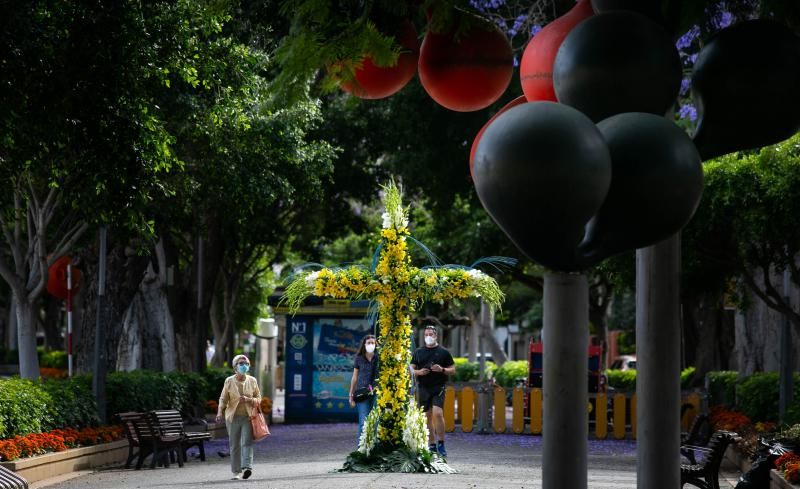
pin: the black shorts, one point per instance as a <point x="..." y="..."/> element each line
<point x="430" y="396"/>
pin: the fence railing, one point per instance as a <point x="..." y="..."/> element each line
<point x="613" y="416"/>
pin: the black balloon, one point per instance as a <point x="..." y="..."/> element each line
<point x="617" y="62"/>
<point x="541" y="171"/>
<point x="656" y="186"/>
<point x="648" y="8"/>
<point x="746" y="84"/>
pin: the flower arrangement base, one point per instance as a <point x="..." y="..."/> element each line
<point x="58" y="463"/>
<point x="777" y="481"/>
<point x="400" y="459"/>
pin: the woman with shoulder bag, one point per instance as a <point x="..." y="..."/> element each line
<point x="240" y="399"/>
<point x="362" y="385"/>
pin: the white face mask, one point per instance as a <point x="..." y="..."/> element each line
<point x="370" y="347"/>
<point x="430" y="340"/>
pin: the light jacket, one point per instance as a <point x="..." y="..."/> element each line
<point x="229" y="398"/>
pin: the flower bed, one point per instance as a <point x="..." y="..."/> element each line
<point x="58" y="463"/>
<point x="38" y="456"/>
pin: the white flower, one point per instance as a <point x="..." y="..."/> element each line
<point x="476" y="274"/>
<point x="311" y="278"/>
<point x="398" y="357"/>
<point x="387" y="220"/>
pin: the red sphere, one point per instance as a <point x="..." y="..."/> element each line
<point x="374" y="82"/>
<point x="57" y="277"/>
<point x="519" y="100"/>
<point x="536" y="67"/>
<point x="468" y="73"/>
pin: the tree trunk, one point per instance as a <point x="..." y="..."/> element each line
<point x="26" y="339"/>
<point x="708" y="335"/>
<point x="124" y="272"/>
<point x="192" y="321"/>
<point x="11" y="329"/>
<point x="52" y="323"/>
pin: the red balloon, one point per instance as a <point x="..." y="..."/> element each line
<point x="468" y="73"/>
<point x="57" y="277"/>
<point x="374" y="82"/>
<point x="519" y="100"/>
<point x="536" y="67"/>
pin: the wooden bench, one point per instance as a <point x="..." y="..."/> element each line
<point x="154" y="440"/>
<point x="699" y="435"/>
<point x="705" y="474"/>
<point x="129" y="425"/>
<point x="171" y="423"/>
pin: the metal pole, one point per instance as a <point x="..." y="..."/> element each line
<point x="566" y="424"/>
<point x="786" y="380"/>
<point x="658" y="346"/>
<point x="99" y="375"/>
<point x="69" y="319"/>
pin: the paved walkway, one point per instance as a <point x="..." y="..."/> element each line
<point x="303" y="456"/>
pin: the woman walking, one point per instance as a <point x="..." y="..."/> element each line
<point x="238" y="401"/>
<point x="362" y="384"/>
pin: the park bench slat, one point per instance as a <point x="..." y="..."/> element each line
<point x="705" y="474"/>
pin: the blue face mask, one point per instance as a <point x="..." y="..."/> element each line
<point x="243" y="369"/>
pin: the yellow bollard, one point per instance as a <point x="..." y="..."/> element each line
<point x="619" y="416"/>
<point x="468" y="415"/>
<point x="499" y="410"/>
<point x="460" y="412"/>
<point x="518" y="411"/>
<point x="691" y="413"/>
<point x="449" y="409"/>
<point x="633" y="416"/>
<point x="601" y="416"/>
<point x="536" y="411"/>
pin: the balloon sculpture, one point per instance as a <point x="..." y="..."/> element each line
<point x="746" y="83"/>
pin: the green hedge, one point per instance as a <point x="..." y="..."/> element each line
<point x="215" y="378"/>
<point x="72" y="402"/>
<point x="621" y="379"/>
<point x="36" y="406"/>
<point x="53" y="359"/>
<point x="24" y="407"/>
<point x="467" y="371"/>
<point x="507" y="374"/>
<point x="757" y="397"/>
<point x="721" y="386"/>
<point x="144" y="390"/>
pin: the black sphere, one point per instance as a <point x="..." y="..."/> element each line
<point x="746" y="84"/>
<point x="541" y="171"/>
<point x="656" y="185"/>
<point x="617" y="62"/>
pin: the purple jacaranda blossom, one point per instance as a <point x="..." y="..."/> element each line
<point x="516" y="61"/>
<point x="722" y="19"/>
<point x="688" y="38"/>
<point x="685" y="85"/>
<point x="535" y="29"/>
<point x="688" y="111"/>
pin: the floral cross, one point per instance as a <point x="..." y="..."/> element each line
<point x="399" y="289"/>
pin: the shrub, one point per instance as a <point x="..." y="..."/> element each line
<point x="53" y="359"/>
<point x="465" y="370"/>
<point x="72" y="403"/>
<point x="721" y="386"/>
<point x="507" y="374"/>
<point x="687" y="376"/>
<point x="621" y="379"/>
<point x="215" y="379"/>
<point x="24" y="407"/>
<point x="145" y="390"/>
<point x="758" y="396"/>
<point x="195" y="389"/>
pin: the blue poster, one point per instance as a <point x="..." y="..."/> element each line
<point x="319" y="366"/>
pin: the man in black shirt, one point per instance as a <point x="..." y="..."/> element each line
<point x="431" y="364"/>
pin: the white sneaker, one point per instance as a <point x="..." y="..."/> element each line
<point x="237" y="477"/>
